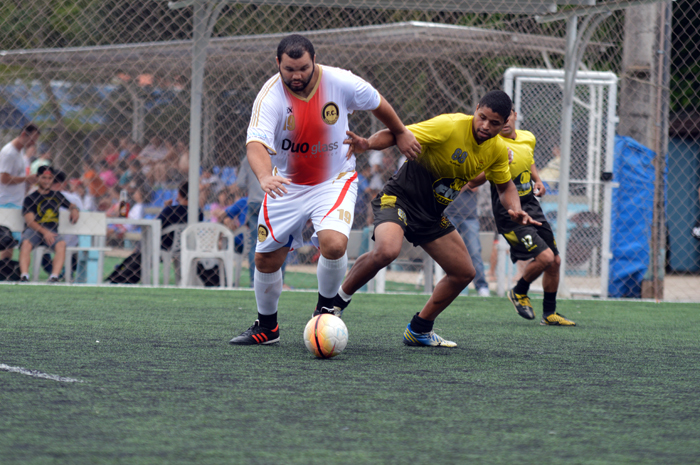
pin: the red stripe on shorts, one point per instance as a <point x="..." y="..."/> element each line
<point x="267" y="220"/>
<point x="343" y="192"/>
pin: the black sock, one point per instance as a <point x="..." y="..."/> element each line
<point x="340" y="302"/>
<point x="549" y="305"/>
<point x="326" y="302"/>
<point x="268" y="321"/>
<point x="521" y="287"/>
<point x="420" y="325"/>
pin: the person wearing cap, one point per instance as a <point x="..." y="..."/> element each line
<point x="40" y="210"/>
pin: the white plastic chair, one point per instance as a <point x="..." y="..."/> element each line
<point x="167" y="256"/>
<point x="201" y="241"/>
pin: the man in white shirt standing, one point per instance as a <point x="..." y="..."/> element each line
<point x="295" y="148"/>
<point x="13" y="174"/>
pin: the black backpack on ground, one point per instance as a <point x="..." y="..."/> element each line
<point x="9" y="270"/>
<point x="128" y="271"/>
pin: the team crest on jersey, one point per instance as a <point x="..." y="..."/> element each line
<point x="330" y="113"/>
<point x="262" y="233"/>
<point x="447" y="189"/>
<point x="402" y="216"/>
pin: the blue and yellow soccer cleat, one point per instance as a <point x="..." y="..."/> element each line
<point x="425" y="339"/>
<point x="556" y="319"/>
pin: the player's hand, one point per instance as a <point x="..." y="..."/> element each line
<point x="74" y="215"/>
<point x="357" y="144"/>
<point x="540" y="190"/>
<point x="274" y="185"/>
<point x="408" y="145"/>
<point x="49" y="237"/>
<point x="523" y="218"/>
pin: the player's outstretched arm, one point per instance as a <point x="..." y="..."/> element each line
<point x="510" y="200"/>
<point x="261" y="165"/>
<point x="405" y="140"/>
<point x="377" y="141"/>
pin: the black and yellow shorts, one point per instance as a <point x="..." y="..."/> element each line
<point x="419" y="226"/>
<point x="529" y="241"/>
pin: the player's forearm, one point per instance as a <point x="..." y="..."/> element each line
<point x="259" y="160"/>
<point x="534" y="173"/>
<point x="479" y="180"/>
<point x="381" y="140"/>
<point x="10" y="180"/>
<point x="508" y="195"/>
<point x="386" y="114"/>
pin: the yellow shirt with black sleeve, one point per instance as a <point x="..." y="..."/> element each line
<point x="449" y="158"/>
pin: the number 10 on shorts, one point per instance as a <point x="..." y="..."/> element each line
<point x="345" y="215"/>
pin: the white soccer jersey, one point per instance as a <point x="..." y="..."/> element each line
<point x="305" y="136"/>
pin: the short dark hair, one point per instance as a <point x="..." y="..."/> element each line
<point x="60" y="176"/>
<point x="44" y="168"/>
<point x="499" y="102"/>
<point x="184" y="189"/>
<point x="295" y="46"/>
<point x="31" y="128"/>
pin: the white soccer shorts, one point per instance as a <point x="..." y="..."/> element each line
<point x="329" y="205"/>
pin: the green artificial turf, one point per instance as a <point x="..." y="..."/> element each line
<point x="162" y="385"/>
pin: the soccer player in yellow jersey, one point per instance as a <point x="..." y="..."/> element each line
<point x="528" y="241"/>
<point x="454" y="149"/>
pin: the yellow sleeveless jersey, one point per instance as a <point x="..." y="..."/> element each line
<point x="451" y="155"/>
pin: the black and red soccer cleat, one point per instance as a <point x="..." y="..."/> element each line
<point x="256" y="334"/>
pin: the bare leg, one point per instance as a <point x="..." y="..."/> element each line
<point x="59" y="258"/>
<point x="388" y="239"/>
<point x="451" y="254"/>
<point x="550" y="280"/>
<point x="536" y="267"/>
<point x="25" y="256"/>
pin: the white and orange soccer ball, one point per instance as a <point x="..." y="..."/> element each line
<point x="325" y="335"/>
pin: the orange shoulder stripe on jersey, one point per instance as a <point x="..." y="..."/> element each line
<point x="343" y="192"/>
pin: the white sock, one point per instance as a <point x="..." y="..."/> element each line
<point x="343" y="295"/>
<point x="53" y="276"/>
<point x="330" y="274"/>
<point x="25" y="275"/>
<point x="268" y="288"/>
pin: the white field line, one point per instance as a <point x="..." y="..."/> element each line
<point x="38" y="374"/>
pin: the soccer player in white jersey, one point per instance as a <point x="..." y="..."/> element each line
<point x="295" y="148"/>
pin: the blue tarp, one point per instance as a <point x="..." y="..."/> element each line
<point x="632" y="211"/>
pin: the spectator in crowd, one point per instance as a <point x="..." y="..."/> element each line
<point x="209" y="185"/>
<point x="133" y="169"/>
<point x="248" y="183"/>
<point x="175" y="214"/>
<point x="40" y="210"/>
<point x="223" y="199"/>
<point x="107" y="174"/>
<point x="127" y="148"/>
<point x="462" y="213"/>
<point x="233" y="217"/>
<point x="44" y="159"/>
<point x="14" y="179"/>
<point x="92" y="181"/>
<point x="110" y="153"/>
<point x="87" y="200"/>
<point x="183" y="162"/>
<point x="152" y="154"/>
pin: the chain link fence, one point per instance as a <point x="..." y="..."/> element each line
<point x="109" y="85"/>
